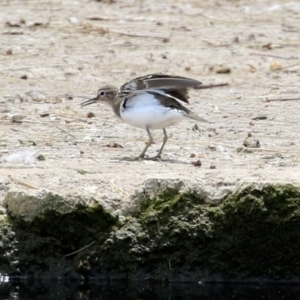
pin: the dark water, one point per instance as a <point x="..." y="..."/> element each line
<point x="141" y="291"/>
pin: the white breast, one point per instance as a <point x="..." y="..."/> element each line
<point x="144" y="110"/>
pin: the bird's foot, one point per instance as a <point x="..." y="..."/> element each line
<point x="155" y="158"/>
<point x="134" y="158"/>
<point x="142" y="157"/>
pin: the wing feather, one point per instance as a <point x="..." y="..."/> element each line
<point x="175" y="86"/>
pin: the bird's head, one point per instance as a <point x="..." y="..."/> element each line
<point x="106" y="94"/>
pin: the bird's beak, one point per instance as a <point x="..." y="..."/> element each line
<point x="88" y="102"/>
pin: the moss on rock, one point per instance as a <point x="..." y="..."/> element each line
<point x="8" y="247"/>
<point x="257" y="232"/>
<point x="49" y="240"/>
<point x="55" y="228"/>
<point x="254" y="233"/>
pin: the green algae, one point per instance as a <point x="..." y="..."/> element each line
<point x="45" y="243"/>
<point x="257" y="233"/>
<point x="254" y="233"/>
<point x="160" y="235"/>
<point x="8" y="247"/>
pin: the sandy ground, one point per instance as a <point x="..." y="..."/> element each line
<point x="56" y="54"/>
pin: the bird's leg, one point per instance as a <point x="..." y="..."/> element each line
<point x="162" y="146"/>
<point x="148" y="144"/>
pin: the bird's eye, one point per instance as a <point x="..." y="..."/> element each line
<point x="102" y="93"/>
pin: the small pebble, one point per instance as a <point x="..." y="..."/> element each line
<point x="114" y="145"/>
<point x="43" y="115"/>
<point x="90" y="115"/>
<point x="197" y="163"/>
<point x="17" y="118"/>
<point x="41" y="157"/>
<point x="223" y="70"/>
<point x="195" y="127"/>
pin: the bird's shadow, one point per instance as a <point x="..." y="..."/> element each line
<point x="160" y="160"/>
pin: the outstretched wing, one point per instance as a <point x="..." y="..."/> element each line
<point x="175" y="86"/>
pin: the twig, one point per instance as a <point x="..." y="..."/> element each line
<point x="274" y="56"/>
<point x="81" y="249"/>
<point x="22" y="183"/>
<point x="210" y="86"/>
<point x="140" y="35"/>
<point x="100" y="19"/>
<point x="112" y="19"/>
<point x="283" y="99"/>
<point x="37" y="122"/>
<point x="117" y="188"/>
<point x="290" y="66"/>
<point x="264" y="150"/>
<point x="30" y="67"/>
<point x="64" y="131"/>
<point x="34" y="122"/>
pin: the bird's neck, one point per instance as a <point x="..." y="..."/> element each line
<point x="116" y="103"/>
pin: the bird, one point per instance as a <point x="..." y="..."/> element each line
<point x="150" y="102"/>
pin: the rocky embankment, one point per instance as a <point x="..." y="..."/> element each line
<point x="172" y="230"/>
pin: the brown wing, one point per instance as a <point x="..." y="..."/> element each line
<point x="166" y="82"/>
<point x="172" y="84"/>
